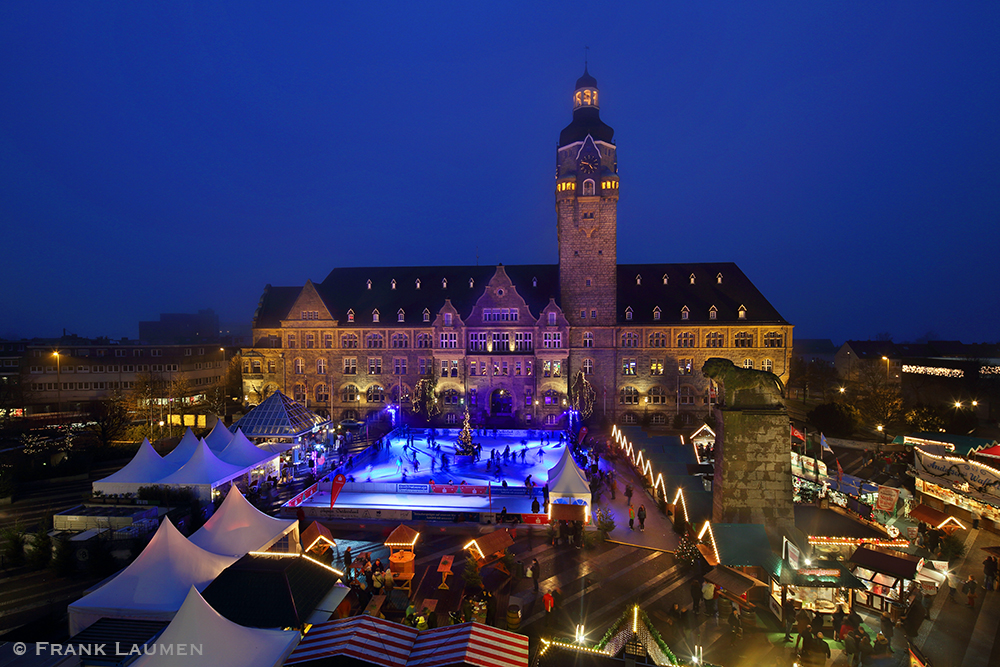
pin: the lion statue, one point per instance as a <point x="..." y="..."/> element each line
<point x="744" y="387"/>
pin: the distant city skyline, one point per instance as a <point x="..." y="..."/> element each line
<point x="176" y="158"/>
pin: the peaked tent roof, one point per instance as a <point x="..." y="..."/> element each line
<point x="241" y="452"/>
<point x="219" y="437"/>
<point x="223" y="642"/>
<point x="184" y="449"/>
<point x="145" y="467"/>
<point x="203" y="467"/>
<point x="366" y="638"/>
<point x="469" y="644"/>
<point x="278" y="415"/>
<point x="238" y="527"/>
<point x="155" y="584"/>
<point x="566" y="478"/>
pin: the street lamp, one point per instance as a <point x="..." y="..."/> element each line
<point x="881" y="429"/>
<point x="58" y="384"/>
<point x="886" y="360"/>
<point x="223" y="383"/>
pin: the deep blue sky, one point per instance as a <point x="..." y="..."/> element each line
<point x="165" y="157"/>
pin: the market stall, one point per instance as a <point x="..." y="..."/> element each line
<point x="887" y="576"/>
<point x="822" y="586"/>
<point x="936" y="519"/>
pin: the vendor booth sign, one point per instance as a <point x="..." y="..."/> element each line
<point x="968" y="478"/>
<point x="887" y="497"/>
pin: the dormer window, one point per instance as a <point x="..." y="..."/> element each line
<point x="534" y="282"/>
<point x="743" y="312"/>
<point x="427" y="315"/>
<point x="369" y="284"/>
<point x="628" y="313"/>
<point x="447" y="319"/>
<point x="552" y="319"/>
<point x="418" y="283"/>
<point x="656" y="313"/>
<point x="691" y="278"/>
<point x="444" y="283"/>
<point x="350" y="316"/>
<point x="718" y="279"/>
<point x="471" y="283"/>
<point x="665" y="279"/>
<point x="400" y="316"/>
<point x="685" y="313"/>
<point x="638" y="280"/>
<point x="375" y="315"/>
<point x="713" y="313"/>
<point x="393" y="283"/>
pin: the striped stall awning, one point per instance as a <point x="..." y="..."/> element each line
<point x="374" y="640"/>
<point x="470" y="644"/>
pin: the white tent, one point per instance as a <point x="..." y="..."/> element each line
<point x="145" y="468"/>
<point x="219" y="437"/>
<point x="241" y="452"/>
<point x="154" y="586"/>
<point x="203" y="471"/>
<point x="199" y="635"/>
<point x="275" y="447"/>
<point x="184" y="449"/>
<point x="238" y="527"/>
<point x="566" y="480"/>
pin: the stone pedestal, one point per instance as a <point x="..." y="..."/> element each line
<point x="753" y="468"/>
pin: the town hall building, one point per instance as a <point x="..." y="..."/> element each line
<point x="507" y="342"/>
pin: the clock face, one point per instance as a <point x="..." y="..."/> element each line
<point x="588" y="164"/>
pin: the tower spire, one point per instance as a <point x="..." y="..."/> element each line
<point x="586" y="57"/>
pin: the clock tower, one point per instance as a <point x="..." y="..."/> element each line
<point x="587" y="212"/>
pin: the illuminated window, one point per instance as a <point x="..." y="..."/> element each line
<point x="473" y="368"/>
<point x="375" y="394"/>
<point x="321" y="366"/>
<point x="551" y="397"/>
<point x="551" y="319"/>
<point x="272" y="367"/>
<point x="685" y="366"/>
<point x="588" y="366"/>
<point x="656" y="313"/>
<point x="450" y="397"/>
<point x="588" y="339"/>
<point x="743" y="312"/>
<point x="350" y="366"/>
<point x="656" y="367"/>
<point x="477" y="342"/>
<point x="393" y="284"/>
<point x="350" y="316"/>
<point x="628" y="396"/>
<point x="628" y="366"/>
<point x="767" y="365"/>
<point x="748" y="363"/>
<point x="718" y="279"/>
<point x="375" y="315"/>
<point x="349" y="341"/>
<point x="588" y="188"/>
<point x="523" y="341"/>
<point x="713" y="313"/>
<point x="552" y="341"/>
<point x="447" y="319"/>
<point x="449" y="340"/>
<point x="691" y="279"/>
<point x="374" y="365"/>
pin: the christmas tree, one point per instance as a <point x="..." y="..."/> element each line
<point x="465" y="446"/>
<point x="687" y="552"/>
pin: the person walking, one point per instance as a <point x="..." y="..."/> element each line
<point x="802" y="623"/>
<point x="788" y="617"/>
<point x="820" y="650"/>
<point x="614" y="486"/>
<point x="628" y="493"/>
<point x="631" y="517"/>
<point x="735" y="628"/>
<point x="641" y="515"/>
<point x="989" y="572"/>
<point x="970" y="588"/>
<point x="536" y="571"/>
<point x="347" y="563"/>
<point x="550" y="604"/>
<point x="708" y="595"/>
<point x="695" y="589"/>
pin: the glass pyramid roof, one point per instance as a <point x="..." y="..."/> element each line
<point x="278" y="416"/>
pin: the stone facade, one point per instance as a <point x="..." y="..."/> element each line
<point x="507" y="342"/>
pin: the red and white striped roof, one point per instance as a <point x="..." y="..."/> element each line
<point x="368" y="638"/>
<point x="389" y="644"/>
<point x="472" y="644"/>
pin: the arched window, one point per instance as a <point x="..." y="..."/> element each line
<point x="425" y="341"/>
<point x="748" y="363"/>
<point x="630" y="418"/>
<point x="715" y="339"/>
<point x="375" y="394"/>
<point x="588" y="366"/>
<point x="450" y="397"/>
<point x="299" y="392"/>
<point x="349" y="415"/>
<point x="400" y="340"/>
<point x="299" y="365"/>
<point x="657" y="339"/>
<point x="588" y="339"/>
<point x="374" y="340"/>
<point x="686" y="396"/>
<point x="322" y="393"/>
<point x="350" y="393"/>
<point x="628" y="396"/>
<point x="321" y="366"/>
<point x="773" y="339"/>
<point x="743" y="339"/>
<point x="767" y="365"/>
<point x="349" y="341"/>
<point x="657" y="396"/>
<point x="685" y="339"/>
<point x="551" y="397"/>
<point x="589" y="187"/>
<point x="630" y="339"/>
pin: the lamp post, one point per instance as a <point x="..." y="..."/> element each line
<point x="886" y="360"/>
<point x="222" y="383"/>
<point x="881" y="429"/>
<point x="58" y="384"/>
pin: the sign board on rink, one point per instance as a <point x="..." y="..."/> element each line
<point x="463" y="489"/>
<point x="362" y="513"/>
<point x="413" y="488"/>
<point x="535" y="519"/>
<point x="445" y="516"/>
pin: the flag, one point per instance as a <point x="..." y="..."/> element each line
<point x="824" y="444"/>
<point x="840" y="475"/>
<point x="796" y="433"/>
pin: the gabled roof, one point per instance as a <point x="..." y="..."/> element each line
<point x="278" y="415"/>
<point x="365" y="638"/>
<point x="469" y="644"/>
<point x="743" y="545"/>
<point x="145" y="467"/>
<point x="219" y="437"/>
<point x="241" y="452"/>
<point x="223" y="643"/>
<point x="155" y="584"/>
<point x="270" y="590"/>
<point x="566" y="479"/>
<point x="727" y="297"/>
<point x="238" y="527"/>
<point x="961" y="445"/>
<point x="894" y="563"/>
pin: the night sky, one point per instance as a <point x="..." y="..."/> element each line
<point x="166" y="157"/>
